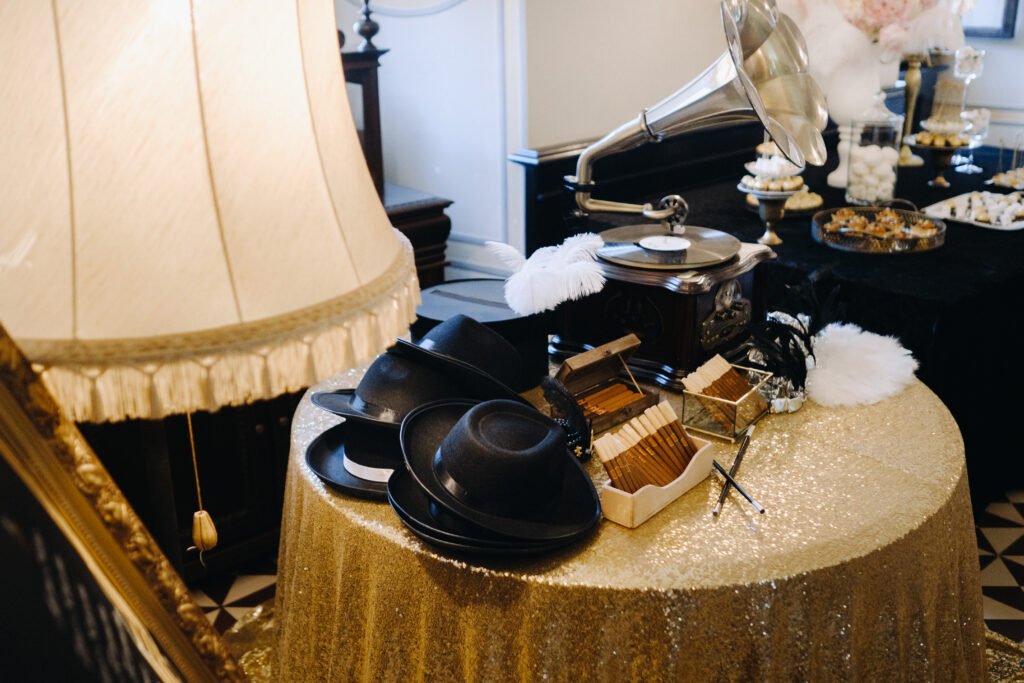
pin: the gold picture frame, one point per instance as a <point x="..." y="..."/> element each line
<point x="168" y="634"/>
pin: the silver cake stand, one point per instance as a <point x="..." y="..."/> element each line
<point x="771" y="207"/>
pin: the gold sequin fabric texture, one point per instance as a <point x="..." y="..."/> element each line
<point x="863" y="568"/>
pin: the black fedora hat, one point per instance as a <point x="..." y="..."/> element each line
<point x="501" y="466"/>
<point x="392" y="386"/>
<point x="471" y="351"/>
<point x="356" y="458"/>
<point x="437" y="526"/>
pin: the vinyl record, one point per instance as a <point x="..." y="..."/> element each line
<point x="707" y="248"/>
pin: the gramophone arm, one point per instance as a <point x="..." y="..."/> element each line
<point x="627" y="136"/>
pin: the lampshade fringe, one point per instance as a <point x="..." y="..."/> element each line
<point x="90" y="394"/>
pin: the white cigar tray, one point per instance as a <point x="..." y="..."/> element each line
<point x="633" y="509"/>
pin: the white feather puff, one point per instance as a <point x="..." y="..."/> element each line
<point x="552" y="274"/>
<point x="854" y="367"/>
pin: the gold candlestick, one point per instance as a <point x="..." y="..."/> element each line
<point x="913" y="89"/>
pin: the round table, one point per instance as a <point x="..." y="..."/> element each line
<point x="864" y="567"/>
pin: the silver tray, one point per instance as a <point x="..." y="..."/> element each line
<point x="932" y="212"/>
<point x="870" y="244"/>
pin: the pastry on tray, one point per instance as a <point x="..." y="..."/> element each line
<point x="1014" y="179"/>
<point x="801" y="201"/>
<point x="784" y="184"/>
<point x="987" y="208"/>
<point x="929" y="139"/>
<point x="885" y="224"/>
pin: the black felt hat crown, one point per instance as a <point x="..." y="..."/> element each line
<point x="479" y="356"/>
<point x="503" y="457"/>
<point x="500" y="465"/>
<point x="392" y="386"/>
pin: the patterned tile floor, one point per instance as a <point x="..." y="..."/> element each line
<point x="1000" y="531"/>
<point x="226" y="598"/>
<point x="1001" y="549"/>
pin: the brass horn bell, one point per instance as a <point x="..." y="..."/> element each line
<point x="762" y="76"/>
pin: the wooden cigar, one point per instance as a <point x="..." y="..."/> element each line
<point x="677" y="428"/>
<point x="607" y="450"/>
<point x="612" y="465"/>
<point x="663" y="447"/>
<point x="621" y="401"/>
<point x="631" y="472"/>
<point x="659" y="473"/>
<point x="606" y="392"/>
<point x="681" y="449"/>
<point x="665" y="456"/>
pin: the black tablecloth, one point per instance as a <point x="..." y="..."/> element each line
<point x="956" y="307"/>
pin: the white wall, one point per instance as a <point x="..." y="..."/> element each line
<point x="443" y="110"/>
<point x="593" y="64"/>
<point x="1001" y="86"/>
<point x="463" y="89"/>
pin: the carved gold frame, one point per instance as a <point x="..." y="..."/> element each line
<point x="46" y="450"/>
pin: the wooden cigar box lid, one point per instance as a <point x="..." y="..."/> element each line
<point x="591" y="368"/>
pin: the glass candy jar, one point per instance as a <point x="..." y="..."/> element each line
<point x="874" y="155"/>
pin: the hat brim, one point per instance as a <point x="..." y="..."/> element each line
<point x="325" y="456"/>
<point x="414" y="508"/>
<point x="483" y="385"/>
<point x="341" y="403"/>
<point x="576" y="509"/>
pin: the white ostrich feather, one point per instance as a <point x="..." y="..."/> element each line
<point x="551" y="275"/>
<point x="510" y="257"/>
<point x="854" y="367"/>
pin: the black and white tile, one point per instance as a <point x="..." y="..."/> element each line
<point x="225" y="599"/>
<point x="1000" y="530"/>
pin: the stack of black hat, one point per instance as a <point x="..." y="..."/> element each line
<point x="459" y="358"/>
<point x="492" y="477"/>
<point x="437" y="428"/>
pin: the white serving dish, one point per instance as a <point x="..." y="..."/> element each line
<point x="633" y="509"/>
<point x="935" y="211"/>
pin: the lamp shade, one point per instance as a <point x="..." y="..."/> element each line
<point x="186" y="217"/>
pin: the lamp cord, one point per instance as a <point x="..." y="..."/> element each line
<point x="442" y="6"/>
<point x="195" y="467"/>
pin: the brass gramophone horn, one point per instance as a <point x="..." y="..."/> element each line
<point x="762" y="76"/>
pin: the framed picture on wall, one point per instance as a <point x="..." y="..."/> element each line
<point x="991" y="19"/>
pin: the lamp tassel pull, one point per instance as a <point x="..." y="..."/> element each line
<point x="204" y="533"/>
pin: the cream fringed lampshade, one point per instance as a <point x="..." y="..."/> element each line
<point x="186" y="218"/>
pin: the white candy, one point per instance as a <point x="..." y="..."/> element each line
<point x="872" y="155"/>
<point x="872" y="172"/>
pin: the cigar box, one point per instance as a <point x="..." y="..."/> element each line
<point x="633" y="509"/>
<point x="723" y="418"/>
<point x="601" y="383"/>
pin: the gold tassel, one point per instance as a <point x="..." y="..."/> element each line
<point x="204" y="533"/>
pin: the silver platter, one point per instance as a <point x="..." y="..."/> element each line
<point x="708" y="248"/>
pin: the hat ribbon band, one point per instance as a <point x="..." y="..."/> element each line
<point x="377" y="474"/>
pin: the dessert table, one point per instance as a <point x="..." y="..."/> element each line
<point x="864" y="567"/>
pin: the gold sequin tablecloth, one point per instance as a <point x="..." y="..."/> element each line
<point x="864" y="568"/>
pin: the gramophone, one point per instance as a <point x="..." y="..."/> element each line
<point x="688" y="291"/>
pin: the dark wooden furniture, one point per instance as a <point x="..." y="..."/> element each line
<point x="421" y="218"/>
<point x="361" y="69"/>
<point x="418" y="215"/>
